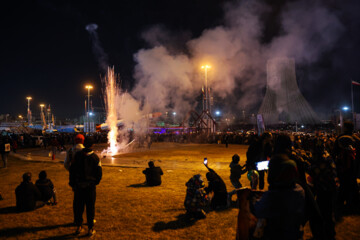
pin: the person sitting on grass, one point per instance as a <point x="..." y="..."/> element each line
<point x="153" y="174"/>
<point x="46" y="188"/>
<point x="196" y="200"/>
<point x="218" y="188"/>
<point x="27" y="195"/>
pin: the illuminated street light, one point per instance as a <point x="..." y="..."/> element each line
<point x="207" y="102"/>
<point x="88" y="87"/>
<point x="217" y="113"/>
<point x="345" y="108"/>
<point x="42" y="115"/>
<point x="28" y="110"/>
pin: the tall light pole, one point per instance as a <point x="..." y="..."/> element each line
<point x="28" y="110"/>
<point x="42" y="115"/>
<point x="88" y="87"/>
<point x="341" y="117"/>
<point x="207" y="97"/>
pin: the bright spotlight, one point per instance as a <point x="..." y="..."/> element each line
<point x="345" y="108"/>
<point x="90" y="113"/>
<point x="205" y="67"/>
<point x="174" y="113"/>
<point x="302" y="126"/>
<point x="217" y="113"/>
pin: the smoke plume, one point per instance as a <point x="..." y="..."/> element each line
<point x="167" y="78"/>
<point x="98" y="51"/>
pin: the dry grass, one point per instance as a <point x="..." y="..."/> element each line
<point x="127" y="210"/>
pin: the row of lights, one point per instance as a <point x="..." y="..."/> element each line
<point x="88" y="87"/>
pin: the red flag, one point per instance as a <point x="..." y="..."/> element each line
<point x="355" y="83"/>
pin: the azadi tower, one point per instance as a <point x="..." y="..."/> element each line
<point x="283" y="101"/>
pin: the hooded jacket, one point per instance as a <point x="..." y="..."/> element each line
<point x="86" y="169"/>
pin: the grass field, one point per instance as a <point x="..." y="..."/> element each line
<point x="125" y="209"/>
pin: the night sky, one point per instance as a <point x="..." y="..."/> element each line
<point x="46" y="52"/>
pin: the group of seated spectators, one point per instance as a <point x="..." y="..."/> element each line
<point x="30" y="196"/>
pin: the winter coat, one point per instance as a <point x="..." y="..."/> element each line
<point x="153" y="176"/>
<point x="86" y="169"/>
<point x="26" y="196"/>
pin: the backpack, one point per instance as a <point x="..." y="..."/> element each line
<point x="345" y="159"/>
<point x="69" y="159"/>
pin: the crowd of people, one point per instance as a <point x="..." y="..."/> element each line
<point x="310" y="179"/>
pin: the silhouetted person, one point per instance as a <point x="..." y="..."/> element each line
<point x="218" y="188"/>
<point x="196" y="199"/>
<point x="27" y="195"/>
<point x="235" y="174"/>
<point x="346" y="148"/>
<point x="46" y="188"/>
<point x="85" y="174"/>
<point x="282" y="206"/>
<point x="226" y="140"/>
<point x="153" y="174"/>
<point x="5" y="149"/>
<point x="325" y="182"/>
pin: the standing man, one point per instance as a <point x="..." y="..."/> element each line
<point x="5" y="149"/>
<point x="85" y="174"/>
<point x="346" y="150"/>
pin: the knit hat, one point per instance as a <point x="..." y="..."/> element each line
<point x="79" y="139"/>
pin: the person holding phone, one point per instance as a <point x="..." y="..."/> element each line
<point x="217" y="187"/>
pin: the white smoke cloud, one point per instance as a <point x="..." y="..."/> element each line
<point x="98" y="50"/>
<point x="309" y="30"/>
<point x="168" y="79"/>
<point x="165" y="79"/>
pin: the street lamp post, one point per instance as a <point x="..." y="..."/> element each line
<point x="341" y="117"/>
<point x="42" y="115"/>
<point x="88" y="87"/>
<point x="207" y="97"/>
<point x="28" y="110"/>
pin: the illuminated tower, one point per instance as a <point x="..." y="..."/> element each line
<point x="283" y="101"/>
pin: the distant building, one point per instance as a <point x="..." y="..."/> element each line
<point x="283" y="101"/>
